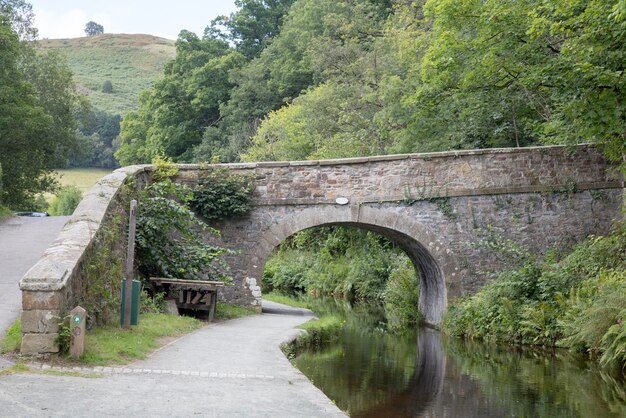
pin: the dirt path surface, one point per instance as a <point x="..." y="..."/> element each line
<point x="229" y="369"/>
<point x="22" y="241"/>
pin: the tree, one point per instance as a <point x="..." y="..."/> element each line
<point x="22" y="125"/>
<point x="341" y="116"/>
<point x="92" y="29"/>
<point x="98" y="139"/>
<point x="57" y="95"/>
<point x="587" y="81"/>
<point x="174" y="114"/>
<point x="493" y="73"/>
<point x="252" y="27"/>
<point x="37" y="107"/>
<point x="20" y="16"/>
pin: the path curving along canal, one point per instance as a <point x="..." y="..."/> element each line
<point x="229" y="369"/>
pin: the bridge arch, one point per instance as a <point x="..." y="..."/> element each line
<point x="436" y="265"/>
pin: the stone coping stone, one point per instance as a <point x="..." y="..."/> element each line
<point x="382" y="158"/>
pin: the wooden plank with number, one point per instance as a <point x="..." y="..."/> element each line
<point x="195" y="295"/>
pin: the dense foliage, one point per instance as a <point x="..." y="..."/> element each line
<point x="169" y="236"/>
<point x="98" y="139"/>
<point x="65" y="201"/>
<point x="579" y="302"/>
<point x="222" y="194"/>
<point x="320" y="78"/>
<point x="37" y="106"/>
<point x="170" y="241"/>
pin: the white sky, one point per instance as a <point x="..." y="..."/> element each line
<point x="165" y="18"/>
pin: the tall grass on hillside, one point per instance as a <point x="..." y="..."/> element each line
<point x="130" y="63"/>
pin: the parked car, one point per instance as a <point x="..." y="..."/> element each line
<point x="33" y="214"/>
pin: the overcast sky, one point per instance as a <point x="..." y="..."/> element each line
<point x="165" y="18"/>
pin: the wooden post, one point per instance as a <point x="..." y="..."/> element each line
<point x="130" y="258"/>
<point x="78" y="318"/>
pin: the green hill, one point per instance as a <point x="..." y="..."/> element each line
<point x="130" y="62"/>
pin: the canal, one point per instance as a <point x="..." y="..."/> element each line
<point x="372" y="371"/>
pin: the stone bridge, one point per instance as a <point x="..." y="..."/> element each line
<point x="438" y="207"/>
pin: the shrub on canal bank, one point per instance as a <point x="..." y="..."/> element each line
<point x="317" y="332"/>
<point x="320" y="331"/>
<point x="5" y="212"/>
<point x="579" y="302"/>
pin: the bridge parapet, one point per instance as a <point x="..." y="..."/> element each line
<point x="62" y="277"/>
<point x="425" y="176"/>
<point x="431" y="205"/>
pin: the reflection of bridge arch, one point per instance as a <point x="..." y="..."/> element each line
<point x="435" y="266"/>
<point x="425" y="386"/>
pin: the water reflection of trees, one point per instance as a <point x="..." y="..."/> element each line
<point x="372" y="373"/>
<point x="358" y="371"/>
<point x="543" y="384"/>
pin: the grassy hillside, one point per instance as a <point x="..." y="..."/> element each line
<point x="130" y="62"/>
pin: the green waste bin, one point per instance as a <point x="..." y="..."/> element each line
<point x="134" y="305"/>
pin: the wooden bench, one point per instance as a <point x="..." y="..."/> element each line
<point x="193" y="295"/>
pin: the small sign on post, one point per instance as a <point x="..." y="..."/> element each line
<point x="130" y="258"/>
<point x="77" y="331"/>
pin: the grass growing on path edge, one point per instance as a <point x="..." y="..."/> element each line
<point x="12" y="339"/>
<point x="225" y="311"/>
<point x="286" y="300"/>
<point x="5" y="212"/>
<point x="114" y="345"/>
<point x="318" y="332"/>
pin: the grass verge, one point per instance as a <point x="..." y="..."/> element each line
<point x="320" y="331"/>
<point x="12" y="339"/>
<point x="286" y="300"/>
<point x="113" y="345"/>
<point x="5" y="212"/>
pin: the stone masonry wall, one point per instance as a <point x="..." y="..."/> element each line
<point x="437" y="206"/>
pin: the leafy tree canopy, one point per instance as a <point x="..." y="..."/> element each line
<point x="19" y="15"/>
<point x="37" y="107"/>
<point x="252" y="26"/>
<point x="321" y="79"/>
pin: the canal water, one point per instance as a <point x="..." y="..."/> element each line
<point x="371" y="371"/>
